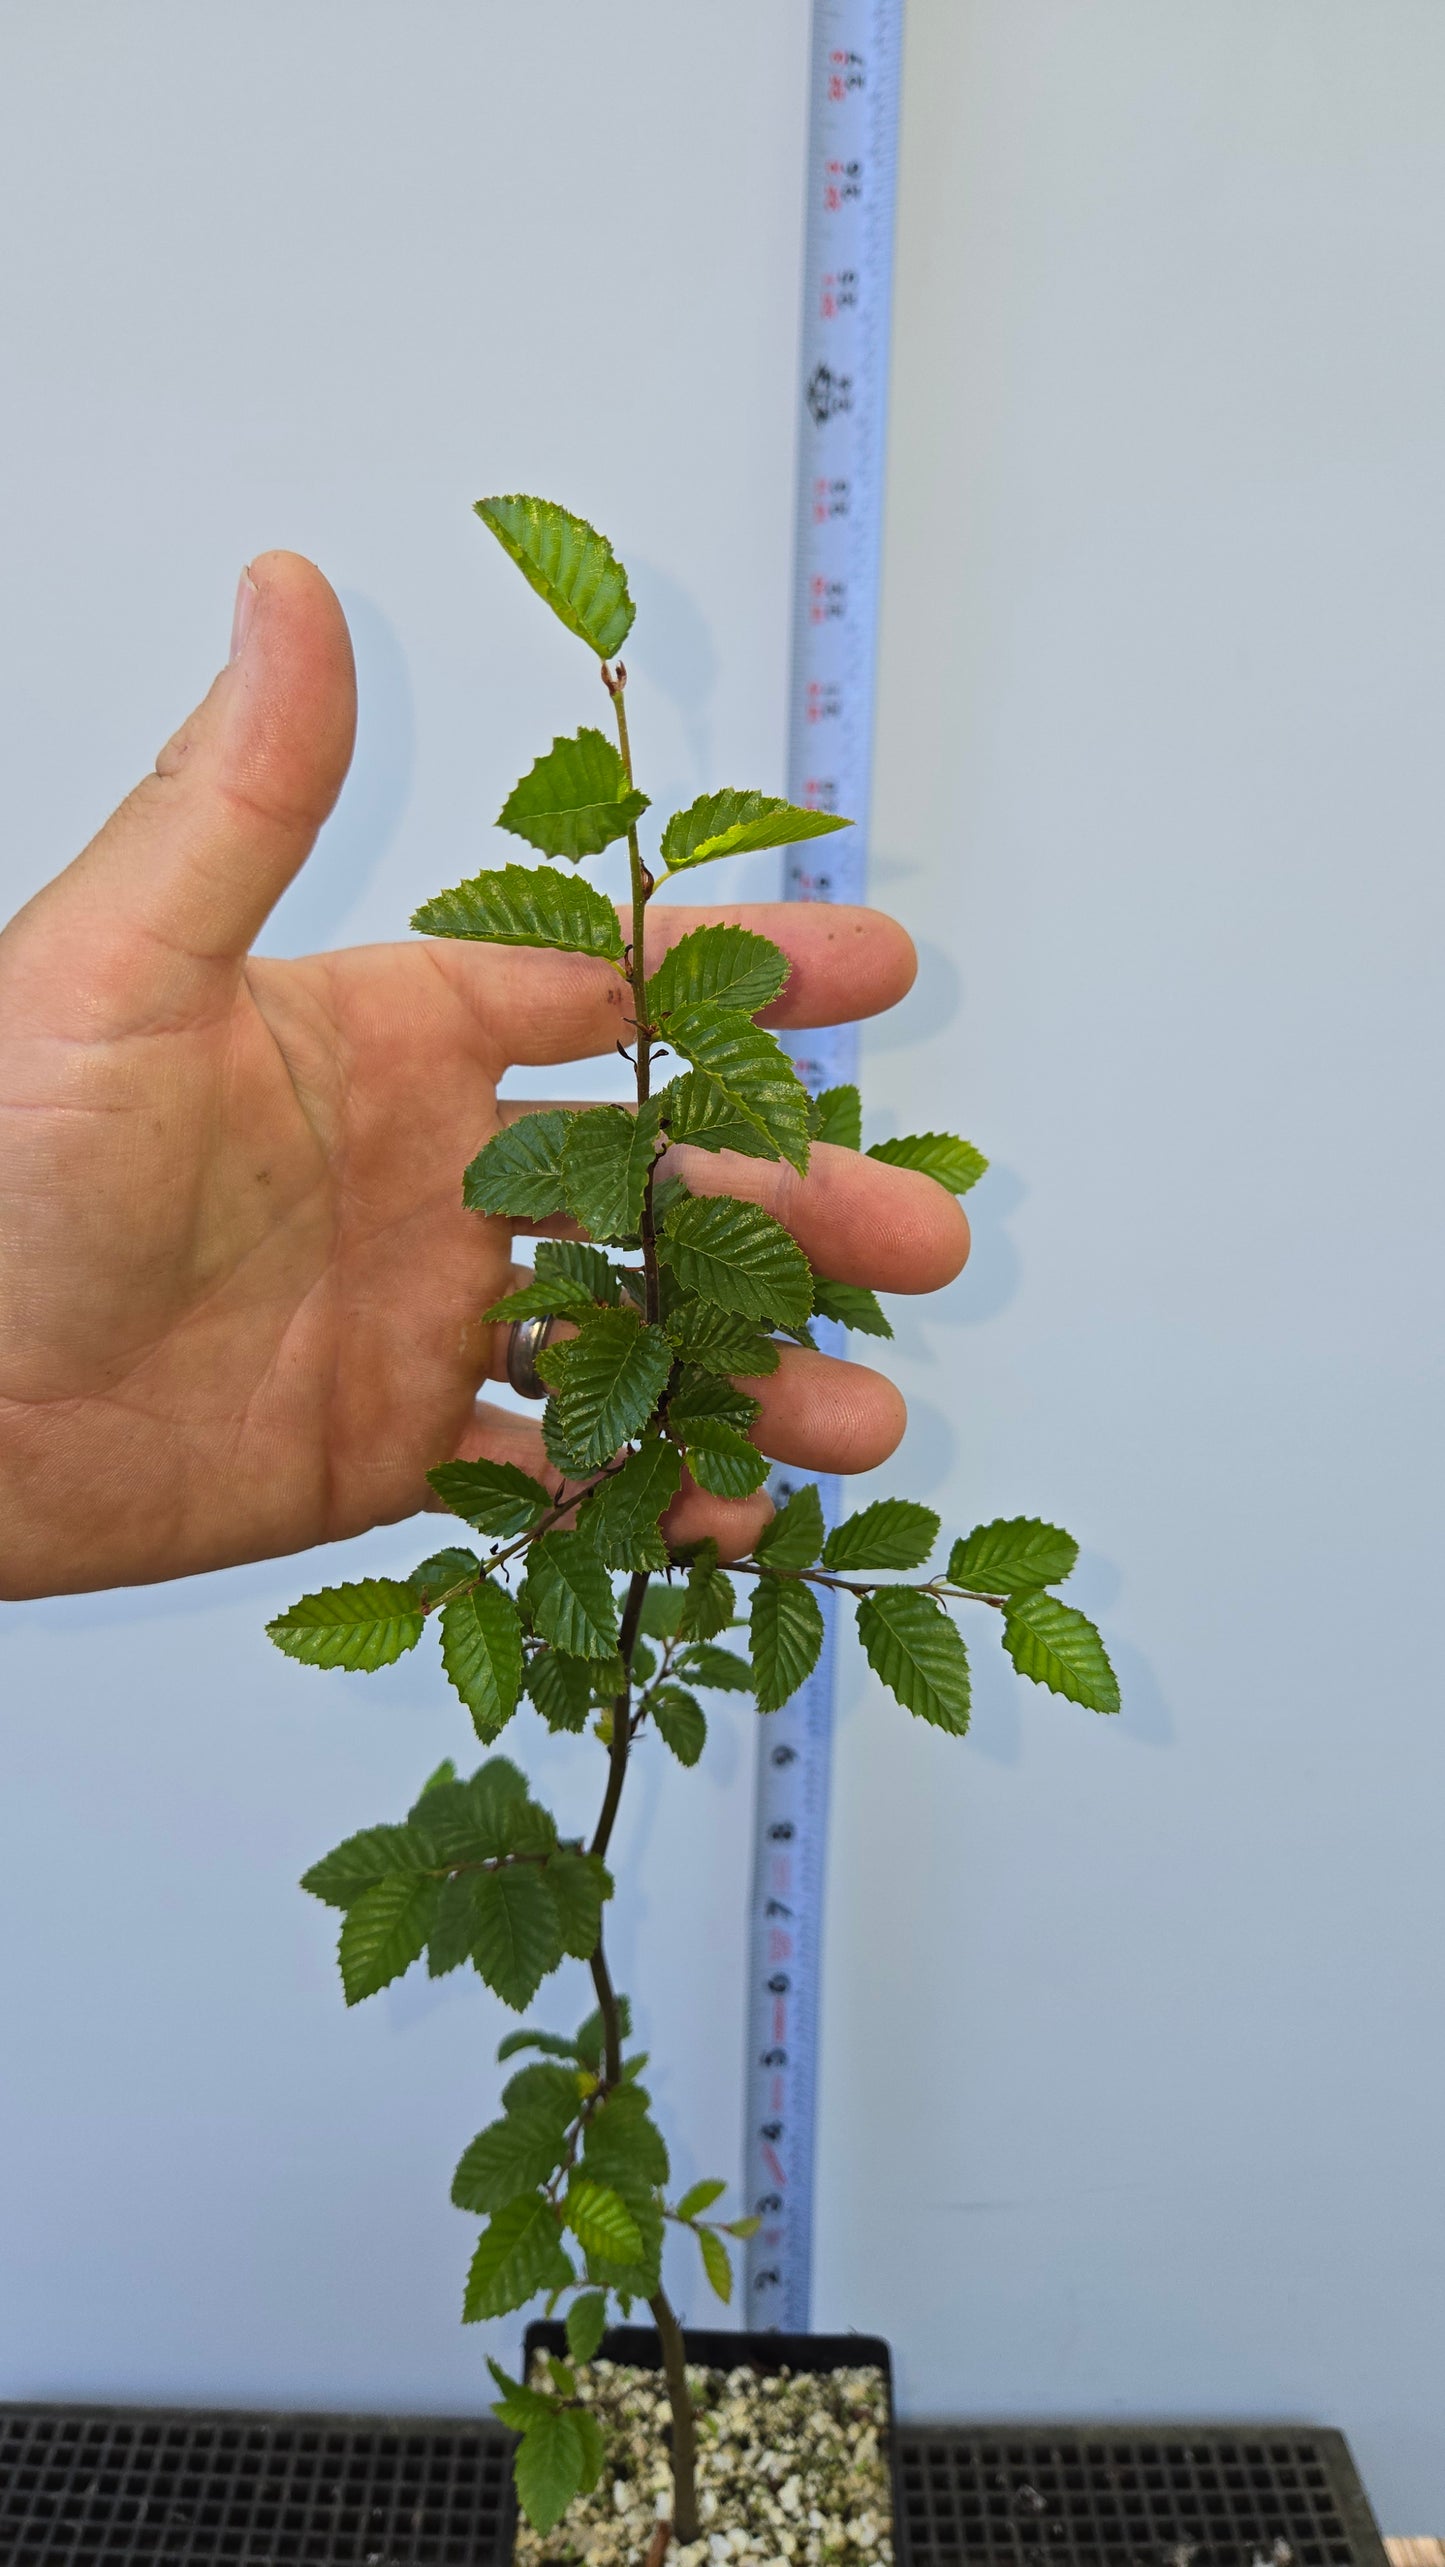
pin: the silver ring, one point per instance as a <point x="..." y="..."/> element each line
<point x="525" y="1341"/>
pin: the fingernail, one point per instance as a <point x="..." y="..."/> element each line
<point x="246" y="593"/>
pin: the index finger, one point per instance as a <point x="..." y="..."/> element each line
<point x="533" y="1007"/>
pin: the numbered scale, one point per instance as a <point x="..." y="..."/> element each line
<point x="852" y="160"/>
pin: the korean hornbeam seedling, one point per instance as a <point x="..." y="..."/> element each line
<point x="574" y="1596"/>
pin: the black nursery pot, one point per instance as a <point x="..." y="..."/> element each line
<point x="765" y="2354"/>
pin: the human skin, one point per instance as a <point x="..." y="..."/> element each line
<point x="239" y="1295"/>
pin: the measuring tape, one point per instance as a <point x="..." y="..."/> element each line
<point x="847" y="285"/>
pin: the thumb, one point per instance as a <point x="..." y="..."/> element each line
<point x="185" y="873"/>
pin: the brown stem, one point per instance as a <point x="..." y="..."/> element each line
<point x="685" y="2521"/>
<point x="611" y="2018"/>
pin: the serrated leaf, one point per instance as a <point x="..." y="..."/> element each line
<point x="493" y="1497"/>
<point x="662" y="1611"/>
<point x="750" y="1069"/>
<point x="454" y="1926"/>
<point x="605" y="1165"/>
<point x="526" y="905"/>
<point x="606" y="1382"/>
<point x="736" y="1255"/>
<point x="519" y="1933"/>
<point x="620" y="1519"/>
<point x="1059" y="1647"/>
<point x="568" y="563"/>
<point x="580" y="1884"/>
<point x="720" y="1670"/>
<point x="575" y="800"/>
<point x="696" y="1394"/>
<point x="786" y="1631"/>
<point x="519" y="1173"/>
<point x="622" y="2145"/>
<point x="561" y="1688"/>
<point x="519" y="2252"/>
<point x="510" y="2157"/>
<point x="553" y="2042"/>
<point x="594" y="2447"/>
<point x="482" y="1655"/>
<point x="717" y="2263"/>
<point x="590" y="2037"/>
<point x="911" y="1643"/>
<point x="794" y="1538"/>
<point x="550" y="2466"/>
<point x="569" y="1596"/>
<point x="680" y="1722"/>
<point x="575" y="1261"/>
<point x="471" y="1822"/>
<point x="852" y="1305"/>
<point x="586" y="2324"/>
<point x="383" y="1932"/>
<point x="601" y="2221"/>
<point x="731" y="823"/>
<point x="838" y="1117"/>
<point x="445" y="1772"/>
<point x="540" y="1300"/>
<point x="1012" y="1555"/>
<point x="892" y="1533"/>
<point x="696" y="1109"/>
<point x="710" y="1602"/>
<point x="431" y="1577"/>
<point x="729" y="964"/>
<point x="517" y="2407"/>
<point x="360" y="1626"/>
<point x="722" y="1460"/>
<point x="718" y="1341"/>
<point x="701" y="2197"/>
<point x="374" y="1854"/>
<point x="940" y="1155"/>
<point x="542" y="2088"/>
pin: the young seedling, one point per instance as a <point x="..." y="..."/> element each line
<point x="576" y="1598"/>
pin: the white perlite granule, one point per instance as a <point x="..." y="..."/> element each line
<point x="792" y="2471"/>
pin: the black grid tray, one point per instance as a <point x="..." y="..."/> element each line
<point x="138" y="2486"/>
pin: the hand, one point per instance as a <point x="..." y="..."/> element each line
<point x="238" y="1290"/>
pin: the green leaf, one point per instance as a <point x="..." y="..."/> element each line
<point x="549" y="1299"/>
<point x="590" y="2036"/>
<point x="554" y="2042"/>
<point x="620" y="1518"/>
<point x="701" y="2197"/>
<point x="519" y="1932"/>
<point x="454" y="1926"/>
<point x="787" y="1635"/>
<point x="526" y="905"/>
<point x="520" y="1170"/>
<point x="361" y="1626"/>
<point x="717" y="2263"/>
<point x="575" y="800"/>
<point x="542" y="2088"/>
<point x="383" y="1932"/>
<point x="482" y="1655"/>
<point x="744" y="2227"/>
<point x="728" y="964"/>
<point x="561" y="1688"/>
<point x="550" y="2466"/>
<point x="1012" y="1555"/>
<point x="838" y="1117"/>
<point x="493" y="1497"/>
<point x="519" y="2252"/>
<point x="445" y="1772"/>
<point x="1059" y="1647"/>
<point x="696" y="1109"/>
<point x="852" y="1306"/>
<point x="622" y="2145"/>
<point x="710" y="1602"/>
<point x="594" y="2448"/>
<point x="511" y="2156"/>
<point x="794" y="1538"/>
<point x="517" y="2407"/>
<point x="735" y="824"/>
<point x="953" y="1163"/>
<point x="606" y="1381"/>
<point x="749" y="1068"/>
<point x="911" y="1643"/>
<point x="722" y="1460"/>
<point x="696" y="1395"/>
<point x="680" y="1722"/>
<point x="734" y="1254"/>
<point x="471" y="1822"/>
<point x="662" y="1611"/>
<point x="569" y="1596"/>
<point x="720" y="1670"/>
<point x="718" y="1341"/>
<point x="586" y="2324"/>
<point x="569" y="564"/>
<point x="893" y="1533"/>
<point x="433" y="1576"/>
<point x="574" y="1261"/>
<point x="376" y="1854"/>
<point x="580" y="1884"/>
<point x="601" y="2221"/>
<point x="605" y="1164"/>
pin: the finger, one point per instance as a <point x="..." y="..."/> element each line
<point x="823" y="1414"/>
<point x="186" y="871"/>
<point x="534" y="1007"/>
<point x="856" y="1219"/>
<point x="499" y="1435"/>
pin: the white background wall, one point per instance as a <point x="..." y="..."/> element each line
<point x="1133" y="2083"/>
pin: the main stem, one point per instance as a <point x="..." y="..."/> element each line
<point x="686" y="2525"/>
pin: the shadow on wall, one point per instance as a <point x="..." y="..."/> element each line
<point x="312" y="915"/>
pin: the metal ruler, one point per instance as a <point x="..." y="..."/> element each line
<point x="847" y="285"/>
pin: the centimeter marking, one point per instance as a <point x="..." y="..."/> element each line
<point x="847" y="287"/>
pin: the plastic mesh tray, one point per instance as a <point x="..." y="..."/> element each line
<point x="126" y="2486"/>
